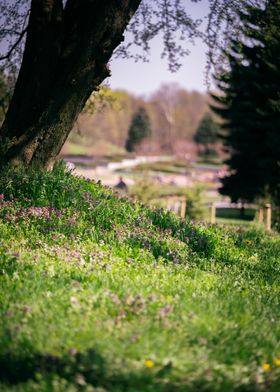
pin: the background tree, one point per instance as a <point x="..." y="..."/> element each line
<point x="250" y="106"/>
<point x="207" y="134"/>
<point x="139" y="129"/>
<point x="103" y="130"/>
<point x="67" y="46"/>
<point x="174" y="114"/>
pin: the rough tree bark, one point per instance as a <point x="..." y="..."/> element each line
<point x="65" y="59"/>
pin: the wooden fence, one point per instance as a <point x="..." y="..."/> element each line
<point x="178" y="205"/>
<point x="263" y="214"/>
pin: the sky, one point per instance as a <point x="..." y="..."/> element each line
<point x="144" y="78"/>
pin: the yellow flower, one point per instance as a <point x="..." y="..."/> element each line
<point x="277" y="361"/>
<point x="149" y="363"/>
<point x="266" y="367"/>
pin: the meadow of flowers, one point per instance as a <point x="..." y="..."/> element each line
<point x="100" y="293"/>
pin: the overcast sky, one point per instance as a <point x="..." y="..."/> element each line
<point x="143" y="78"/>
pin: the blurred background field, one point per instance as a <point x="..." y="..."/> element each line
<point x="159" y="180"/>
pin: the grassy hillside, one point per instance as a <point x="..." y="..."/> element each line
<point x="99" y="293"/>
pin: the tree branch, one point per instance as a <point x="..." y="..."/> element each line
<point x="21" y="35"/>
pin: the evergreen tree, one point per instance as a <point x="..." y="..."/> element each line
<point x="139" y="129"/>
<point x="250" y="106"/>
<point x="206" y="133"/>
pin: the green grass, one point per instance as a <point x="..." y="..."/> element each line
<point x="76" y="149"/>
<point x="168" y="166"/>
<point x="232" y="222"/>
<point x="99" y="293"/>
<point x="235" y="213"/>
<point x="232" y="216"/>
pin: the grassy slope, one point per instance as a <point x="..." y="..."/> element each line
<point x="98" y="293"/>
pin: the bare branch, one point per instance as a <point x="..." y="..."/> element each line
<point x="7" y="55"/>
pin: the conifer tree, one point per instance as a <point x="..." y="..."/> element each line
<point x="206" y="133"/>
<point x="250" y="106"/>
<point x="139" y="129"/>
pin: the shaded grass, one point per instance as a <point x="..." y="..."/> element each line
<point x="232" y="222"/>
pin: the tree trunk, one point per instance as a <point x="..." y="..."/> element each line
<point x="65" y="59"/>
<point x="42" y="48"/>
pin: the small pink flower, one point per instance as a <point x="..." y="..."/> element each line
<point x="74" y="301"/>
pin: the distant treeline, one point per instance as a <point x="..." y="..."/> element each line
<point x="174" y="115"/>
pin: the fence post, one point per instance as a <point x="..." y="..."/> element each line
<point x="183" y="207"/>
<point x="261" y="215"/>
<point x="268" y="216"/>
<point x="169" y="203"/>
<point x="213" y="213"/>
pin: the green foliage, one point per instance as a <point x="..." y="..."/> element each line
<point x="149" y="192"/>
<point x="207" y="134"/>
<point x="194" y="208"/>
<point x="99" y="293"/>
<point x="145" y="190"/>
<point x="36" y="187"/>
<point x="139" y="129"/>
<point x="250" y="106"/>
<point x="101" y="99"/>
